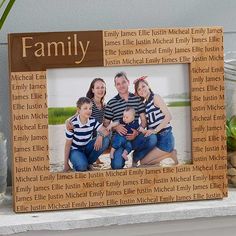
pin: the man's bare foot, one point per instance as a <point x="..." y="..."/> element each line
<point x="112" y="153"/>
<point x="125" y="155"/>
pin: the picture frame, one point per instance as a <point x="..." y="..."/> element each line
<point x="35" y="188"/>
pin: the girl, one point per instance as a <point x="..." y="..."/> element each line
<point x="158" y="123"/>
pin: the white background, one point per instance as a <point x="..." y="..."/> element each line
<point x="65" y="86"/>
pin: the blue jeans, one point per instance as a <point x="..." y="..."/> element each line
<point x="121" y="141"/>
<point x="165" y="140"/>
<point x="141" y="145"/>
<point x="82" y="157"/>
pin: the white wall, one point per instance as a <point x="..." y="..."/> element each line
<point x="77" y="15"/>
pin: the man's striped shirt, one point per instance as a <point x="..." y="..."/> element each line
<point x="115" y="107"/>
<point x="82" y="133"/>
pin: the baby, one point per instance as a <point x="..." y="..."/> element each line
<point x="120" y="141"/>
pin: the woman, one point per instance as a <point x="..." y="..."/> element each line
<point x="158" y="123"/>
<point x="96" y="92"/>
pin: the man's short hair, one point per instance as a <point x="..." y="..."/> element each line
<point x="120" y="74"/>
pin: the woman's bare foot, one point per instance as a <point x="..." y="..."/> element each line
<point x="156" y="156"/>
<point x="174" y="157"/>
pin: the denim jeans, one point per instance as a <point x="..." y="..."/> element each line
<point x="121" y="141"/>
<point x="84" y="156"/>
<point x="141" y="146"/>
<point x="165" y="140"/>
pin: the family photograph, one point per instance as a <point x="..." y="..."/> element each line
<point x="129" y="118"/>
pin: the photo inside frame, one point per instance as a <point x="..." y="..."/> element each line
<point x="65" y="86"/>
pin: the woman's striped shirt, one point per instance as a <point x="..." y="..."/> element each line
<point x="97" y="113"/>
<point x="154" y="115"/>
<point x="82" y="133"/>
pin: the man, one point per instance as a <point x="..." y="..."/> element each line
<point x="114" y="112"/>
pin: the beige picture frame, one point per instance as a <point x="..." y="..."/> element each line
<point x="35" y="188"/>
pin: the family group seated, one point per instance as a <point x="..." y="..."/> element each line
<point x="137" y="123"/>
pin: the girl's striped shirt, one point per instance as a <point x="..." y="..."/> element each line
<point x="154" y="115"/>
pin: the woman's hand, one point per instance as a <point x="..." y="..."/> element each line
<point x="98" y="143"/>
<point x="106" y="132"/>
<point x="69" y="125"/>
<point x="120" y="129"/>
<point x="149" y="132"/>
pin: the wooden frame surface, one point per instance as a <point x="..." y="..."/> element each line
<point x="31" y="54"/>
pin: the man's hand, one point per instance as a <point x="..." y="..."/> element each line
<point x="132" y="136"/>
<point x="98" y="143"/>
<point x="120" y="129"/>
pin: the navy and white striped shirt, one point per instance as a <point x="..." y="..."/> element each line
<point x="82" y="133"/>
<point x="115" y="107"/>
<point x="154" y="115"/>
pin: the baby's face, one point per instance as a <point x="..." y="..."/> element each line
<point x="128" y="117"/>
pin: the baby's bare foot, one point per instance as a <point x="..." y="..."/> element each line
<point x="125" y="155"/>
